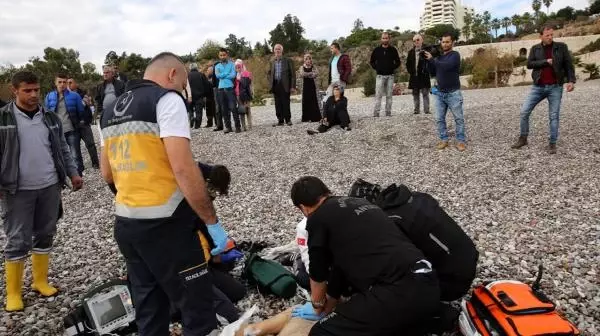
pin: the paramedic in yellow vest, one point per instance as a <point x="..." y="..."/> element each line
<point x="146" y="154"/>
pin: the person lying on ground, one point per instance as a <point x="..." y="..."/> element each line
<point x="395" y="290"/>
<point x="295" y="321"/>
<point x="335" y="112"/>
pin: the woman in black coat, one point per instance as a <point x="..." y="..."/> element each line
<point x="335" y="112"/>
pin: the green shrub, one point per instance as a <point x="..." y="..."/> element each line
<point x="369" y="82"/>
<point x="520" y="61"/>
<point x="526" y="83"/>
<point x="592" y="69"/>
<point x="591" y="47"/>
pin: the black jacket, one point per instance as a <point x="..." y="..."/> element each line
<point x="444" y="243"/>
<point x="561" y="63"/>
<point x="385" y="60"/>
<point x="199" y="84"/>
<point x="2" y="103"/>
<point x="119" y="90"/>
<point x="419" y="74"/>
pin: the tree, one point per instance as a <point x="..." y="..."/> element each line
<point x="526" y="22"/>
<point x="536" y="5"/>
<point x="496" y="24"/>
<point x="89" y="73"/>
<point x="592" y="69"/>
<point x="567" y="13"/>
<point x="289" y="34"/>
<point x="438" y="30"/>
<point x="133" y="65"/>
<point x="111" y="58"/>
<point x="467" y="22"/>
<point x="357" y="25"/>
<point x="594" y="8"/>
<point x="54" y="61"/>
<point x="209" y="50"/>
<point x="355" y="39"/>
<point x="516" y="21"/>
<point x="547" y="3"/>
<point x="238" y="48"/>
<point x="506" y="22"/>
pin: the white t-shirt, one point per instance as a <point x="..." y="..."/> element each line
<point x="302" y="242"/>
<point x="172" y="117"/>
<point x="335" y="74"/>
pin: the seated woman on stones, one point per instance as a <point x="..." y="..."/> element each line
<point x="335" y="112"/>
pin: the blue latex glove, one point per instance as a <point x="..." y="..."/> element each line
<point x="219" y="237"/>
<point x="306" y="312"/>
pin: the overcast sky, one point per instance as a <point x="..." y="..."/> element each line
<point x="94" y="27"/>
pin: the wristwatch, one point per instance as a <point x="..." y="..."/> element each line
<point x="319" y="304"/>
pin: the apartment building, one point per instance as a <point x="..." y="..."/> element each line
<point x="444" y="12"/>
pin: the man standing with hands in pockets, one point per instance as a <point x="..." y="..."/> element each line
<point x="551" y="63"/>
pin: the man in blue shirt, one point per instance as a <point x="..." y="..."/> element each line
<point x="225" y="73"/>
<point x="69" y="108"/>
<point x="446" y="68"/>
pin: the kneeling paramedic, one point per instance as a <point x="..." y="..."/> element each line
<point x="353" y="243"/>
<point x="146" y="154"/>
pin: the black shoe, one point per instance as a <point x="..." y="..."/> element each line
<point x="218" y="129"/>
<point x="427" y="112"/>
<point x="551" y="148"/>
<point x="278" y="124"/>
<point x="347" y="128"/>
<point x="227" y="130"/>
<point x="208" y="126"/>
<point x="95" y="165"/>
<point x="416" y="112"/>
<point x="289" y="123"/>
<point x="237" y="130"/>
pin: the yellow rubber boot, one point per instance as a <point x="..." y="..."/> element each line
<point x="39" y="272"/>
<point x="13" y="271"/>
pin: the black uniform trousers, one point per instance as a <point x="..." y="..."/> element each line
<point x="165" y="264"/>
<point x="282" y="103"/>
<point x="405" y="308"/>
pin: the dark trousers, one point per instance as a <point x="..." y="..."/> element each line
<point x="74" y="140"/>
<point x="87" y="135"/>
<point x="195" y="113"/>
<point x="402" y="308"/>
<point x="165" y="264"/>
<point x="210" y="111"/>
<point x="282" y="103"/>
<point x="30" y="214"/>
<point x="228" y="103"/>
<point x="218" y="112"/>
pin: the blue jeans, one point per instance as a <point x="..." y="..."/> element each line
<point x="538" y="93"/>
<point x="74" y="140"/>
<point x="453" y="101"/>
<point x="228" y="103"/>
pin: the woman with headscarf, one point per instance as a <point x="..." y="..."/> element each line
<point x="243" y="91"/>
<point x="311" y="109"/>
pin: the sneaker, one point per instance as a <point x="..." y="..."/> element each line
<point x="461" y="147"/>
<point x="551" y="148"/>
<point x="442" y="145"/>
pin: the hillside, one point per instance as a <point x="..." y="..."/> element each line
<point x="572" y="29"/>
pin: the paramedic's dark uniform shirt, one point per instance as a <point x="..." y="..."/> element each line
<point x="359" y="240"/>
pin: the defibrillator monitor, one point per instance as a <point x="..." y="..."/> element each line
<point x="110" y="311"/>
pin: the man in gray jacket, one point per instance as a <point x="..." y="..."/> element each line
<point x="551" y="63"/>
<point x="282" y="81"/>
<point x="36" y="160"/>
